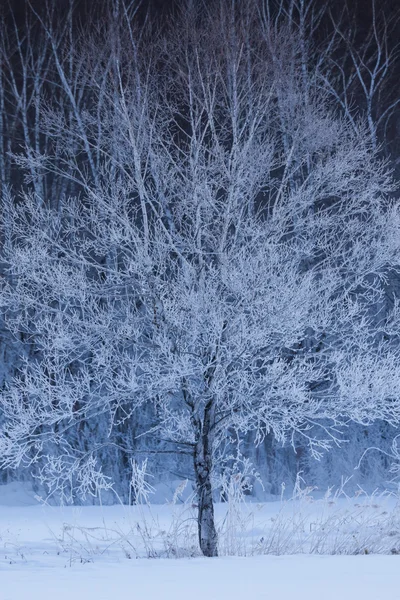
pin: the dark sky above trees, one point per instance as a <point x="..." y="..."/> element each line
<point x="89" y="8"/>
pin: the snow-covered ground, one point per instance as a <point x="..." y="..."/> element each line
<point x="95" y="553"/>
<point x="257" y="578"/>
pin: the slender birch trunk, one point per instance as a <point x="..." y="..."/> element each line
<point x="208" y="538"/>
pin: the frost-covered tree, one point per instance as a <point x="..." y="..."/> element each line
<point x="222" y="265"/>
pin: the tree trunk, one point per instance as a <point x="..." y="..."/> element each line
<point x="208" y="538"/>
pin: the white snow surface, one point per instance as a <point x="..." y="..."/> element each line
<point x="288" y="577"/>
<point x="89" y="553"/>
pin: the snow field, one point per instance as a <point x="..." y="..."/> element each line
<point x="228" y="578"/>
<point x="102" y="553"/>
